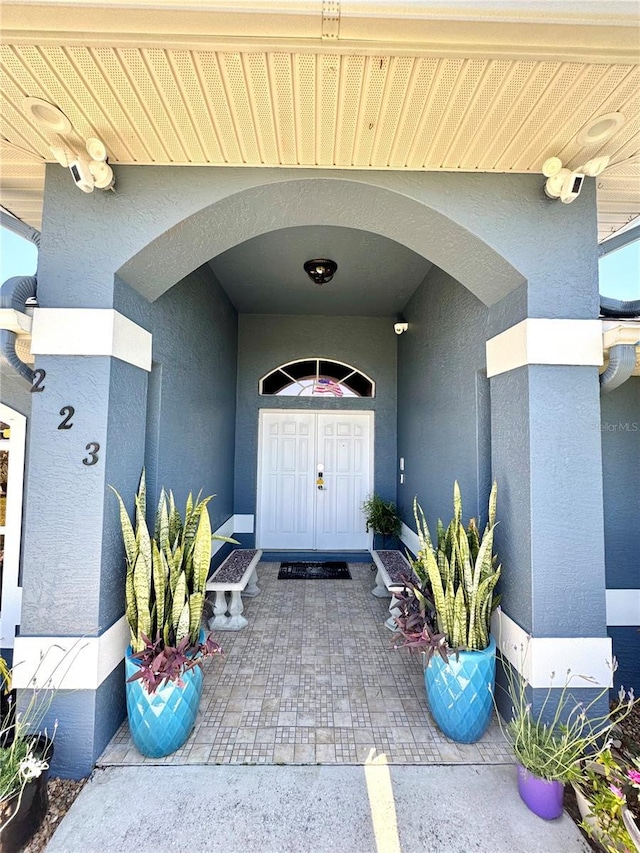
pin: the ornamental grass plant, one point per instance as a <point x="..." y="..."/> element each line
<point x="26" y="743"/>
<point x="550" y="742"/>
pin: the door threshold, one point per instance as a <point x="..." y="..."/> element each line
<point x="283" y="556"/>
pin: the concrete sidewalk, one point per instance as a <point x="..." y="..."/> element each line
<point x="308" y="809"/>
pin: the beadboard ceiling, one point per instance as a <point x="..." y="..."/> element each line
<point x="352" y="105"/>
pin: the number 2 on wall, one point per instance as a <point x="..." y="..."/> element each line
<point x="68" y="412"/>
<point x="38" y="379"/>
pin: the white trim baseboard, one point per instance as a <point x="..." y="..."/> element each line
<point x="90" y="331"/>
<point x="410" y="539"/>
<point x="69" y="663"/>
<point x="545" y="341"/>
<point x="623" y="607"/>
<point x="546" y="661"/>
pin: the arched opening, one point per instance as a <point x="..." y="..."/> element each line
<point x="187" y="244"/>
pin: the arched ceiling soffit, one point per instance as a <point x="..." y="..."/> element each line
<point x="236" y="218"/>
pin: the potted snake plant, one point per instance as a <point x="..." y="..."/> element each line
<point x="448" y="615"/>
<point x="165" y="593"/>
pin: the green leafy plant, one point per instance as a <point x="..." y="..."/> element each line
<point x="166" y="574"/>
<point x="166" y="581"/>
<point x="26" y="742"/>
<point x="5" y="676"/>
<point x="612" y="796"/>
<point x="551" y="741"/>
<point x="381" y="516"/>
<point x="461" y="572"/>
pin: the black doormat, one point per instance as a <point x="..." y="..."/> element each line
<point x="315" y="571"/>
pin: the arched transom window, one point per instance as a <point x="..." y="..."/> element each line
<point x="317" y="377"/>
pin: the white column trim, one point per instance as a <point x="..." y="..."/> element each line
<point x="545" y="341"/>
<point x="623" y="607"/>
<point x="90" y="331"/>
<point x="538" y="658"/>
<point x="69" y="663"/>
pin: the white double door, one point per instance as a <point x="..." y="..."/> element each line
<point x="314" y="471"/>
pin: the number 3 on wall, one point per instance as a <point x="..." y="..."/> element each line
<point x="93" y="447"/>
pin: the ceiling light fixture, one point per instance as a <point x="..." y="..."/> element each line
<point x="599" y="129"/>
<point x="320" y="270"/>
<point x="47" y="116"/>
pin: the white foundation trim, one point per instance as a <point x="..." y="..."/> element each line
<point x="537" y="658"/>
<point x="543" y="341"/>
<point x="90" y="331"/>
<point x="410" y="538"/>
<point x="623" y="607"/>
<point x="69" y="663"/>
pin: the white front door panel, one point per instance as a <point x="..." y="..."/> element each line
<point x="293" y="513"/>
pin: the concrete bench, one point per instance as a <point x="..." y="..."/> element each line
<point x="392" y="567"/>
<point x="235" y="576"/>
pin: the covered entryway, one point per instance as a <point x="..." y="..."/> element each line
<point x="314" y="471"/>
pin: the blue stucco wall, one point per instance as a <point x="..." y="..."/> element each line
<point x="440" y="435"/>
<point x="266" y="341"/>
<point x="190" y="414"/>
<point x="620" y="433"/>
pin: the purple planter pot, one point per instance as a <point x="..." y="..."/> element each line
<point x="544" y="798"/>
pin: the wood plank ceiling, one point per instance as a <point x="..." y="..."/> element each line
<point x="388" y="110"/>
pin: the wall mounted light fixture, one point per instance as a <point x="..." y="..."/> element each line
<point x="89" y="170"/>
<point x="565" y="184"/>
<point x="320" y="270"/>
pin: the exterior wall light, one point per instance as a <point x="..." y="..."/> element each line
<point x="320" y="270"/>
<point x="89" y="170"/>
<point x="566" y="184"/>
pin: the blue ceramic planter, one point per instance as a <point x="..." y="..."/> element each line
<point x="460" y="693"/>
<point x="161" y="722"/>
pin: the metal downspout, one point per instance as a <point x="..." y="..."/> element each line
<point x="622" y="362"/>
<point x="13" y="294"/>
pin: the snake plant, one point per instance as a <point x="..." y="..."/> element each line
<point x="461" y="572"/>
<point x="166" y="574"/>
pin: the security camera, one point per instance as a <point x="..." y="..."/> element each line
<point x="565" y="185"/>
<point x="399" y="328"/>
<point x="81" y="174"/>
<point x="571" y="187"/>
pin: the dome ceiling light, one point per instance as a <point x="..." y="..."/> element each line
<point x="46" y="116"/>
<point x="600" y="129"/>
<point x="320" y="270"/>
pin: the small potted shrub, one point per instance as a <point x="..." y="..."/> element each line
<point x="26" y="751"/>
<point x="165" y="593"/>
<point x="550" y="743"/>
<point x="449" y="612"/>
<point x="382" y="517"/>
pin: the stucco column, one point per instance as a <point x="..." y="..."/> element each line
<point x="87" y="432"/>
<point x="546" y="457"/>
